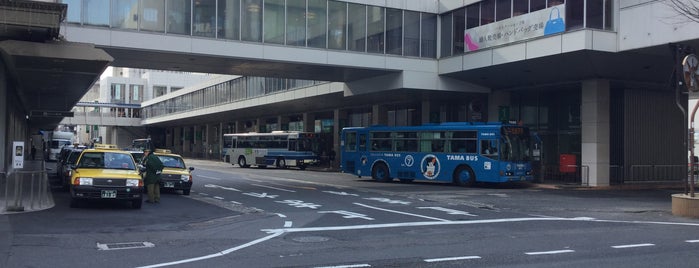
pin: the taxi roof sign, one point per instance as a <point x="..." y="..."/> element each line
<point x="163" y="151"/>
<point x="105" y="146"/>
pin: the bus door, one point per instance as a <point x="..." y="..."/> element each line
<point x="490" y="155"/>
<point x="349" y="154"/>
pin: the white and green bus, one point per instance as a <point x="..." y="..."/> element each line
<point x="279" y="148"/>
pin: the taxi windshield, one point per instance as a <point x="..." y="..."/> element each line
<point x="108" y="160"/>
<point x="171" y="161"/>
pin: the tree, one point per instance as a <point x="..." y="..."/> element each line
<point x="687" y="8"/>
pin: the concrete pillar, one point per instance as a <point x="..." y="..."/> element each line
<point x="595" y="132"/>
<point x="3" y="118"/>
<point x="379" y="116"/>
<point x="283" y="122"/>
<point x="178" y="133"/>
<point x="309" y="123"/>
<point x="337" y="116"/>
<point x="425" y="112"/>
<point x="495" y="100"/>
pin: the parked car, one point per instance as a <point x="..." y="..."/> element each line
<point x="176" y="175"/>
<point x="67" y="159"/>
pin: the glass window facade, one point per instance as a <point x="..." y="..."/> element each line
<point x="274" y="21"/>
<point x="356" y="27"/>
<point x="325" y="24"/>
<point x="375" y="29"/>
<point x="179" y="13"/>
<point x="125" y="14"/>
<point x="337" y="25"/>
<point x="152" y="15"/>
<point x="228" y="22"/>
<point x="204" y="19"/>
<point x="317" y="23"/>
<point x="295" y="22"/>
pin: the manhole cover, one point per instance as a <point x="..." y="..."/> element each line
<point x="310" y="239"/>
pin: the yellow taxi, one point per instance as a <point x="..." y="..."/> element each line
<point x="105" y="173"/>
<point x="175" y="175"/>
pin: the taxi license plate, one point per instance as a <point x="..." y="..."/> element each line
<point x="169" y="184"/>
<point x="109" y="193"/>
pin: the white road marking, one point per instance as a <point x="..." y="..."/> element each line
<point x="300" y="204"/>
<point x="386" y="200"/>
<point x="449" y="211"/>
<point x="550" y="252"/>
<point x="634" y="245"/>
<point x="275" y="188"/>
<point x="237" y="203"/>
<point x="288" y="224"/>
<point x="218" y="254"/>
<point x="349" y="214"/>
<point x="340" y="193"/>
<point x="220" y="187"/>
<point x="347" y="266"/>
<point x="400" y="212"/>
<point x="281" y="215"/>
<point x="207" y="177"/>
<point x="453" y="258"/>
<point x="218" y="197"/>
<point x="692" y="241"/>
<point x="262" y="195"/>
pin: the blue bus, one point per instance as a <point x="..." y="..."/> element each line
<point x="280" y="148"/>
<point x="462" y="153"/>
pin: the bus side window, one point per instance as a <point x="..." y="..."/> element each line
<point x="292" y="145"/>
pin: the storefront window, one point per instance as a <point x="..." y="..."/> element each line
<point x="356" y="29"/>
<point x="228" y="26"/>
<point x="125" y="14"/>
<point x="337" y="25"/>
<point x="274" y="21"/>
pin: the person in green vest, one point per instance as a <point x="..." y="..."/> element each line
<point x="151" y="177"/>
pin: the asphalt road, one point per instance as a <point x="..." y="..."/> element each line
<point x="290" y="218"/>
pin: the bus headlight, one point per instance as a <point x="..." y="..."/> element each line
<point x="85" y="181"/>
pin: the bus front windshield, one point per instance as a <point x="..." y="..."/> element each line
<point x="515" y="144"/>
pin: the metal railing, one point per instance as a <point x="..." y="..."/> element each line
<point x="656" y="173"/>
<point x="25" y="191"/>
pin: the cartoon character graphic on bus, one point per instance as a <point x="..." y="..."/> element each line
<point x="430" y="167"/>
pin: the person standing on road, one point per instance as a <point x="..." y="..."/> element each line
<point x="33" y="151"/>
<point x="151" y="177"/>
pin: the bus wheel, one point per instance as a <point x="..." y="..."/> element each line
<point x="380" y="173"/>
<point x="241" y="162"/>
<point x="464" y="176"/>
<point x="302" y="167"/>
<point x="281" y="163"/>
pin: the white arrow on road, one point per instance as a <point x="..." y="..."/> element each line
<point x="220" y="187"/>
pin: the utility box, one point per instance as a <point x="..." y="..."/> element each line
<point x="568" y="163"/>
